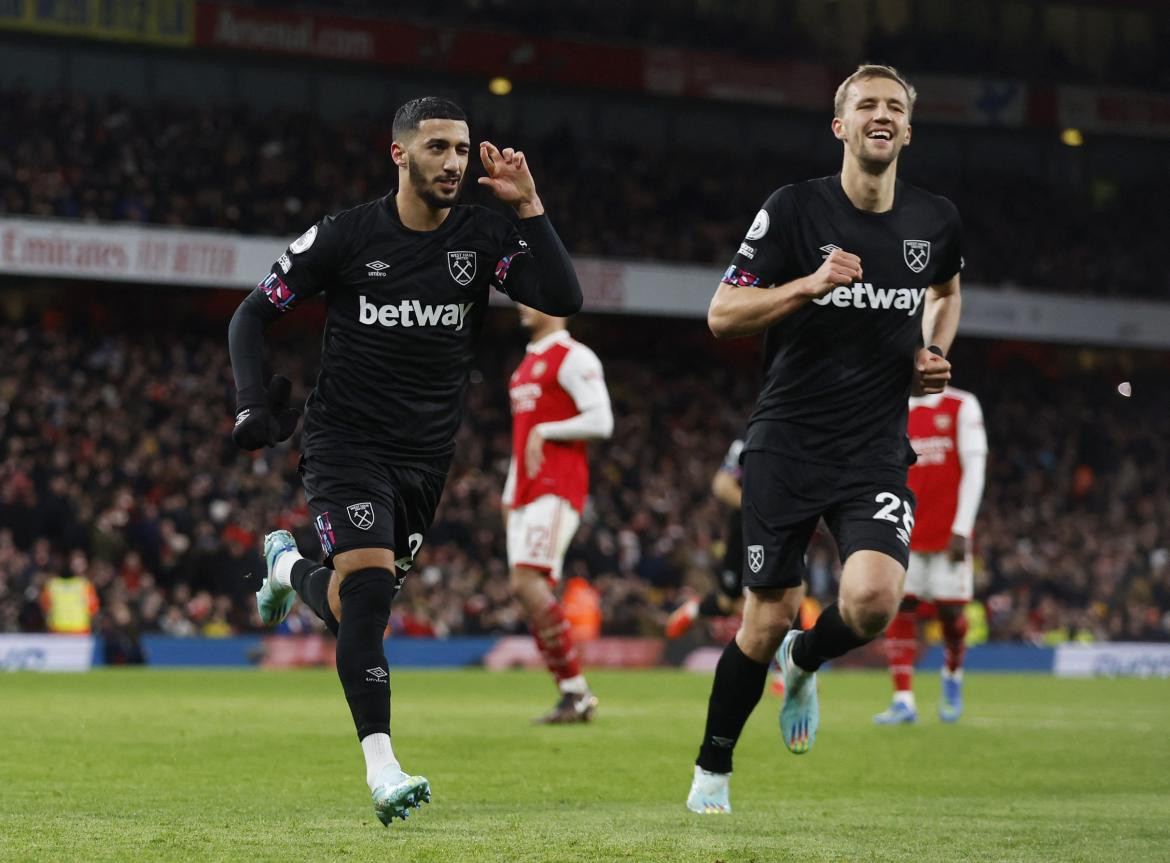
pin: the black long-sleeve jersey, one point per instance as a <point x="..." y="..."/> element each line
<point x="838" y="370"/>
<point x="404" y="313"/>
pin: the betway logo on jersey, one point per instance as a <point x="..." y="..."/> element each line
<point x="863" y="295"/>
<point x="412" y="313"/>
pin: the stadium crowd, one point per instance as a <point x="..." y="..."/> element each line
<point x="116" y="465"/>
<point x="275" y="172"/>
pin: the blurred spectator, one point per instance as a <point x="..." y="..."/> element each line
<point x="70" y="602"/>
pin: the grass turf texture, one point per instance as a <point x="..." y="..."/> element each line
<point x="224" y="765"/>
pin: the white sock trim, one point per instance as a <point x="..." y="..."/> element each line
<point x="379" y="754"/>
<point x="701" y="773"/>
<point x="906" y="697"/>
<point x="575" y="685"/>
<point x="282" y="569"/>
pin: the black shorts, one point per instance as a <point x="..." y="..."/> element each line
<point x="731" y="570"/>
<point x="783" y="499"/>
<point x="356" y="504"/>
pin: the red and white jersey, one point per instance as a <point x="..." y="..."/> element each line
<point x="946" y="431"/>
<point x="559" y="386"/>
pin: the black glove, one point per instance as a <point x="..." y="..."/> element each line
<point x="270" y="420"/>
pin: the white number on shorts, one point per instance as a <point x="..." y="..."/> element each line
<point x="415" y="540"/>
<point x="892" y="502"/>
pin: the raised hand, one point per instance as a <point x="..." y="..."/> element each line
<point x="509" y="178"/>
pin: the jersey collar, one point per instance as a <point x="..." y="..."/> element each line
<point x="542" y="345"/>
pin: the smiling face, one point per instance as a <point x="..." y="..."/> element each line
<point x="874" y="122"/>
<point x="434" y="160"/>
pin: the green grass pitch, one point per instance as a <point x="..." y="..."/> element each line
<point x="224" y="765"/>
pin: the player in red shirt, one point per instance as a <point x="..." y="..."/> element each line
<point x="559" y="402"/>
<point x="946" y="432"/>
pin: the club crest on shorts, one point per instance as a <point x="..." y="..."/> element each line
<point x="755" y="557"/>
<point x="361" y="515"/>
<point x="916" y="253"/>
<point x="461" y="265"/>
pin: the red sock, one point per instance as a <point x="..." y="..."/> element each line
<point x="902" y="649"/>
<point x="551" y="631"/>
<point x="954" y="641"/>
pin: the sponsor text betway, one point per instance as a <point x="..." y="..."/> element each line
<point x="863" y="295"/>
<point x="412" y="313"/>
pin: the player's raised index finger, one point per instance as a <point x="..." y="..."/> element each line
<point x="489" y="155"/>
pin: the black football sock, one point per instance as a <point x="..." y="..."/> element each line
<point x="311" y="582"/>
<point x="361" y="658"/>
<point x="828" y="639"/>
<point x="739" y="683"/>
<point x="709" y="605"/>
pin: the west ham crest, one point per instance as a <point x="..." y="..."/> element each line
<point x="755" y="557"/>
<point x="361" y="515"/>
<point x="916" y="253"/>
<point x="461" y="265"/>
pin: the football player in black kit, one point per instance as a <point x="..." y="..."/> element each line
<point x="854" y="280"/>
<point x="406" y="280"/>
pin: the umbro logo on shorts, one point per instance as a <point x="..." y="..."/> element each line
<point x="755" y="557"/>
<point x="379" y="674"/>
<point x="361" y="515"/>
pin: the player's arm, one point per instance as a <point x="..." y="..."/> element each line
<point x="726" y="488"/>
<point x="726" y="485"/>
<point x="509" y="496"/>
<point x="941" y="310"/>
<point x="972" y="450"/>
<point x="739" y="308"/>
<point x="263" y="417"/>
<point x="940" y="323"/>
<point x="758" y="289"/>
<point x="582" y="378"/>
<point x="535" y="270"/>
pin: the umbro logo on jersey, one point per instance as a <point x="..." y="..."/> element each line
<point x="828" y="249"/>
<point x="377" y="268"/>
<point x="412" y="313"/>
<point x="863" y="295"/>
<point x="916" y="254"/>
<point x="461" y="265"/>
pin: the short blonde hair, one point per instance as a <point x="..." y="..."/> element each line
<point x="873" y="70"/>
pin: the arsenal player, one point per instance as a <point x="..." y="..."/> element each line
<point x="559" y="402"/>
<point x="946" y="431"/>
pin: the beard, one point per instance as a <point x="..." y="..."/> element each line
<point x="425" y="190"/>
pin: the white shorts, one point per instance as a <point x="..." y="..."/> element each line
<point x="933" y="577"/>
<point x="539" y="534"/>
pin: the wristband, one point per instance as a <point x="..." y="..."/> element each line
<point x="936" y="350"/>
